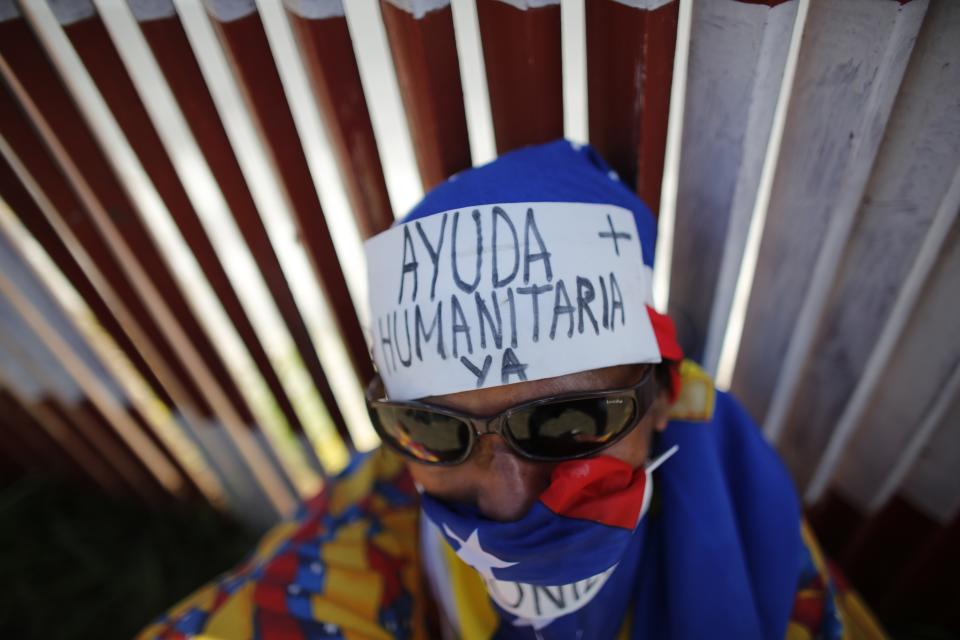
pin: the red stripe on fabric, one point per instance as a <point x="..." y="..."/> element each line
<point x="404" y="483"/>
<point x="838" y="577"/>
<point x="390" y="568"/>
<point x="222" y="596"/>
<point x="666" y="333"/>
<point x="601" y="489"/>
<point x="317" y="506"/>
<point x="808" y="608"/>
<point x="307" y="532"/>
<point x="278" y="627"/>
<point x="283" y="568"/>
<point x="270" y="597"/>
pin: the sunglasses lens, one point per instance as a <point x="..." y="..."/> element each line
<point x="423" y="435"/>
<point x="572" y="428"/>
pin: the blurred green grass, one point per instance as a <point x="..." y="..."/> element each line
<point x="75" y="564"/>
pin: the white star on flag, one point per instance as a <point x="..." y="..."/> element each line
<point x="473" y="554"/>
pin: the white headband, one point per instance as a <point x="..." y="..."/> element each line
<point x="496" y="294"/>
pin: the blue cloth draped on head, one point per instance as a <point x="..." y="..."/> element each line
<point x="559" y="171"/>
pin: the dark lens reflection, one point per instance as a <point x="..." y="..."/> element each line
<point x="571" y="427"/>
<point x="427" y="436"/>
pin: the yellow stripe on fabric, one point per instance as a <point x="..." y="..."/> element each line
<point x="348" y="490"/>
<point x="859" y="622"/>
<point x="345" y="555"/>
<point x="355" y="531"/>
<point x="389" y="464"/>
<point x="358" y="591"/>
<point x="391" y="543"/>
<point x="475" y="614"/>
<point x="234" y="619"/>
<point x="400" y="532"/>
<point x="153" y="631"/>
<point x="404" y="521"/>
<point x="352" y="625"/>
<point x="202" y="599"/>
<point x="273" y="539"/>
<point x="626" y="627"/>
<point x="697" y="394"/>
<point x="798" y="632"/>
<point x="811" y="543"/>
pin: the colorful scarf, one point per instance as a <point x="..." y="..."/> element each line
<point x="718" y="554"/>
<point x="551" y="568"/>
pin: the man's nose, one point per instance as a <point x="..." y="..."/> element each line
<point x="505" y="485"/>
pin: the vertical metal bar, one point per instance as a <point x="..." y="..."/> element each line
<point x="28" y="445"/>
<point x="15" y="126"/>
<point x="53" y="409"/>
<point x="232" y="421"/>
<point x="667" y="209"/>
<point x="29" y="214"/>
<point x="152" y="458"/>
<point x="630" y="48"/>
<point x="730" y="309"/>
<point x="58" y="300"/>
<point x="97" y="51"/>
<point x="246" y="43"/>
<point x="522" y="56"/>
<point x="193" y="489"/>
<point x="425" y="56"/>
<point x="98" y="430"/>
<point x="573" y="40"/>
<point x="328" y="55"/>
<point x="51" y="294"/>
<point x="920" y="439"/>
<point x="170" y="46"/>
<point x="726" y="129"/>
<point x="891" y="334"/>
<point x="45" y="215"/>
<point x="19" y="457"/>
<point x="52" y="99"/>
<point x="811" y="176"/>
<point x="473" y="79"/>
<point x="865" y="145"/>
<point x="67" y="440"/>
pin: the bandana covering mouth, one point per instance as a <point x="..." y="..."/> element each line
<point x="557" y="559"/>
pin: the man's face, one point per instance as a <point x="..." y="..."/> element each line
<point x="502" y="485"/>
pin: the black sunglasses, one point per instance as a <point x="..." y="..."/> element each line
<point x="551" y="429"/>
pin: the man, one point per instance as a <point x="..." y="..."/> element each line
<point x="552" y="467"/>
